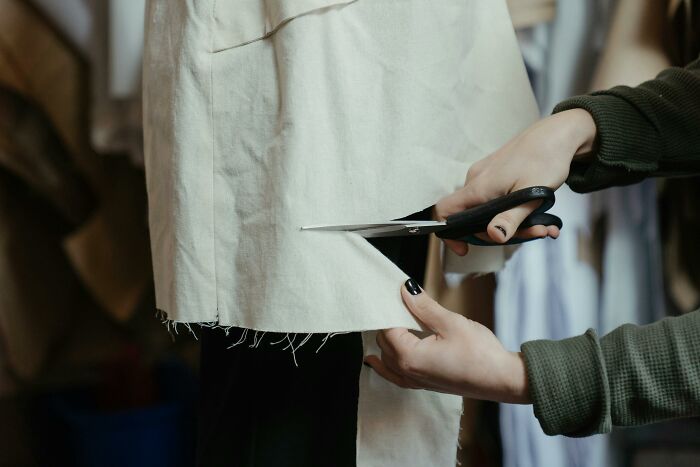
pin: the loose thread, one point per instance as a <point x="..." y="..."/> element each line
<point x="330" y="335"/>
<point x="257" y="339"/>
<point x="291" y="341"/>
<point x="189" y="328"/>
<point x="244" y="334"/>
<point x="279" y="341"/>
<point x="294" y="349"/>
<point x="306" y="339"/>
<point x="261" y="339"/>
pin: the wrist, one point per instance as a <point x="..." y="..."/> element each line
<point x="517" y="390"/>
<point x="581" y="131"/>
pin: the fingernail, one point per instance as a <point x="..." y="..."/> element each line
<point x="503" y="231"/>
<point x="413" y="287"/>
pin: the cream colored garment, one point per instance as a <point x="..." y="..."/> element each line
<point x="265" y="115"/>
<point x="361" y="111"/>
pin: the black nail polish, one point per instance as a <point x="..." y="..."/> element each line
<point x="413" y="287"/>
<point x="503" y="231"/>
<point x="367" y="364"/>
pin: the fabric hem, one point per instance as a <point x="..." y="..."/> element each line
<point x="294" y="340"/>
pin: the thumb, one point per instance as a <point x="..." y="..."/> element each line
<point x="504" y="225"/>
<point x="426" y="310"/>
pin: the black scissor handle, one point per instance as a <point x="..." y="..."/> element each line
<point x="463" y="225"/>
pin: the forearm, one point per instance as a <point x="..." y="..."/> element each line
<point x="650" y="130"/>
<point x="633" y="375"/>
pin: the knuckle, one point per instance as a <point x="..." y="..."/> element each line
<point x="475" y="193"/>
<point x="440" y="211"/>
<point x="406" y="365"/>
<point x="475" y="169"/>
<point x="425" y="305"/>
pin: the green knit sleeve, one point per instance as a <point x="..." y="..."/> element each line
<point x="634" y="375"/>
<point x="650" y="130"/>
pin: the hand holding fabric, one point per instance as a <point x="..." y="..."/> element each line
<point x="460" y="356"/>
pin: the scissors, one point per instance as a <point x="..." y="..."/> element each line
<point x="462" y="225"/>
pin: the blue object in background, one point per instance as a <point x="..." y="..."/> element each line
<point x="160" y="435"/>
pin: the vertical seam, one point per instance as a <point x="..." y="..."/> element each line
<point x="213" y="151"/>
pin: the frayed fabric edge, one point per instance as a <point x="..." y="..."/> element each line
<point x="294" y="340"/>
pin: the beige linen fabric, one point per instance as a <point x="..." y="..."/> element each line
<point x="355" y="112"/>
<point x="404" y="428"/>
<point x="265" y="115"/>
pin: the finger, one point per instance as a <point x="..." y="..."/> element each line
<point x="383" y="344"/>
<point x="425" y="309"/>
<point x="398" y="349"/>
<point x="536" y="231"/>
<point x="460" y="248"/>
<point x="553" y="231"/>
<point x="464" y="198"/>
<point x="399" y="340"/>
<point x="385" y="372"/>
<point x="504" y="225"/>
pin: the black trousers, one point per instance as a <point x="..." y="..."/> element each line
<point x="258" y="409"/>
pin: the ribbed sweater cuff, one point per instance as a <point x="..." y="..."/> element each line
<point x="616" y="139"/>
<point x="568" y="385"/>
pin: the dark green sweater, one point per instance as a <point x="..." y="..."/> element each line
<point x="635" y="374"/>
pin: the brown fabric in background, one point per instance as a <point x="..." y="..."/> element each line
<point x="42" y="198"/>
<point x="74" y="256"/>
<point x="110" y="252"/>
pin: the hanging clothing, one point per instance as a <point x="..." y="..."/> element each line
<point x="116" y="52"/>
<point x="43" y="197"/>
<point x="584" y="290"/>
<point x="72" y="18"/>
<point x="264" y="116"/>
<point x="546" y="290"/>
<point x="248" y="140"/>
<point x="632" y="285"/>
<point x="109" y="251"/>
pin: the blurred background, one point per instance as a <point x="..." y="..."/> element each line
<point x="91" y="376"/>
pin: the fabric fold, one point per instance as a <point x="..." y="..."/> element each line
<point x="240" y="23"/>
<point x="361" y="113"/>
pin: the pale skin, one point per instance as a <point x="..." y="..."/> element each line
<point x="461" y="356"/>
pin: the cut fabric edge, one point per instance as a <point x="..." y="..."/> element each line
<point x="251" y="337"/>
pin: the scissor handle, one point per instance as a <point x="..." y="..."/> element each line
<point x="463" y="225"/>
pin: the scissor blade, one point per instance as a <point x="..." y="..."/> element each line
<point x="385" y="229"/>
<point x="353" y="227"/>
